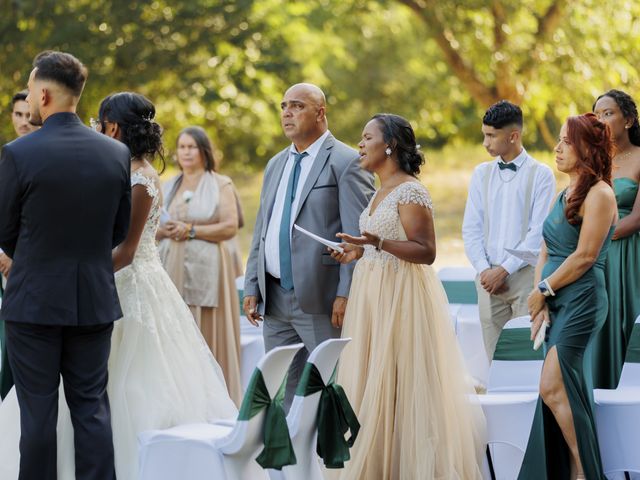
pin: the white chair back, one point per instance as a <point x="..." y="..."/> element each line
<point x="246" y="437"/>
<point x="303" y="414"/>
<point x="515" y="375"/>
<point x="630" y="376"/>
<point x="509" y="418"/>
<point x="618" y="424"/>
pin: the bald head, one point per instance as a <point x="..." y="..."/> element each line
<point x="303" y="114"/>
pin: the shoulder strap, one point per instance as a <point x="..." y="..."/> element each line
<point x="527" y="200"/>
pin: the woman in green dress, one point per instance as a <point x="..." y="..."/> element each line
<point x="571" y="295"/>
<point x="622" y="275"/>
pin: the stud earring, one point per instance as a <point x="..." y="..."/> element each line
<point x="511" y="141"/>
<point x="388" y="152"/>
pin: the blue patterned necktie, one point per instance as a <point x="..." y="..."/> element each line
<point x="509" y="166"/>
<point x="286" y="272"/>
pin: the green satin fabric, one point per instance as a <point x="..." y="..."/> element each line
<point x="335" y="417"/>
<point x="516" y="344"/>
<point x="278" y="451"/>
<point x="577" y="312"/>
<point x="622" y="276"/>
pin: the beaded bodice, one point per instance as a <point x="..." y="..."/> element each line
<point x="147" y="249"/>
<point x="385" y="220"/>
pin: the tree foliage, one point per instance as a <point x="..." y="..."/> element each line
<point x="224" y="64"/>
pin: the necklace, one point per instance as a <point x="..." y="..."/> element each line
<point x="620" y="156"/>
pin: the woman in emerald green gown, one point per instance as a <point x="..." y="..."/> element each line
<point x="622" y="275"/>
<point x="571" y="295"/>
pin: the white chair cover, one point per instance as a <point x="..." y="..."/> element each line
<point x="224" y="450"/>
<point x="515" y="375"/>
<point x="618" y="425"/>
<point x="251" y="351"/>
<point x="469" y="333"/>
<point x="302" y="417"/>
<point x="509" y="417"/>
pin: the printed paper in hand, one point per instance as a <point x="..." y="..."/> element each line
<point x="332" y="245"/>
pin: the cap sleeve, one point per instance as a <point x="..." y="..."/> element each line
<point x="414" y="193"/>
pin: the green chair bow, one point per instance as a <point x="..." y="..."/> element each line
<point x="335" y="417"/>
<point x="278" y="451"/>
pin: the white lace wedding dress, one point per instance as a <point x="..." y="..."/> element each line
<point x="161" y="372"/>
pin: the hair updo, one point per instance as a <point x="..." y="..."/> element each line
<point x="629" y="111"/>
<point x="134" y="114"/>
<point x="398" y="134"/>
<point x="593" y="145"/>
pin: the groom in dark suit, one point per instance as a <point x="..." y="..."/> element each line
<point x="65" y="201"/>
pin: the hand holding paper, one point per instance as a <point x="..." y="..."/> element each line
<point x="332" y="245"/>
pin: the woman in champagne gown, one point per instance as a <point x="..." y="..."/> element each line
<point x="622" y="275"/>
<point x="571" y="295"/>
<point x="161" y="371"/>
<point x="403" y="371"/>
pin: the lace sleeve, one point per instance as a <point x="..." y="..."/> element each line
<point x="416" y="193"/>
<point x="137" y="178"/>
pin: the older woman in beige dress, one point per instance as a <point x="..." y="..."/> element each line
<point x="200" y="217"/>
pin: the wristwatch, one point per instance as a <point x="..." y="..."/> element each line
<point x="544" y="288"/>
<point x="192" y="233"/>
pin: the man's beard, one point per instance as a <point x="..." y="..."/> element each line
<point x="35" y="119"/>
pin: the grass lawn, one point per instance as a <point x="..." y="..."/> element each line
<point x="446" y="175"/>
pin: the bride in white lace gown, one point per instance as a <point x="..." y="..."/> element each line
<point x="161" y="372"/>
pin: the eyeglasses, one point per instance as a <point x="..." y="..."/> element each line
<point x="94" y="124"/>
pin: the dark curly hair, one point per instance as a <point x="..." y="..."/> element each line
<point x="592" y="142"/>
<point x="503" y="113"/>
<point x="629" y="111"/>
<point x="205" y="146"/>
<point x="398" y="134"/>
<point x="134" y="114"/>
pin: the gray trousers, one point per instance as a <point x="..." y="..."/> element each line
<point x="286" y="324"/>
<point x="497" y="310"/>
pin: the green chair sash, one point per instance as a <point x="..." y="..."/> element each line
<point x="278" y="450"/>
<point x="335" y="417"/>
<point x="516" y="344"/>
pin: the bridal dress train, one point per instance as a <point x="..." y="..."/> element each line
<point x="161" y="372"/>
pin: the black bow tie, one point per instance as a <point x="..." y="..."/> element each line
<point x="510" y="166"/>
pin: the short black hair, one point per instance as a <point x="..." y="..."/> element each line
<point x="61" y="68"/>
<point x="19" y="97"/>
<point x="501" y="114"/>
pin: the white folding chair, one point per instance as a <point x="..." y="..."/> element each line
<point x="303" y="413"/>
<point x="469" y="335"/>
<point x="251" y="351"/>
<point x="509" y="417"/>
<point x="225" y="450"/>
<point x="618" y="424"/>
<point x="515" y="375"/>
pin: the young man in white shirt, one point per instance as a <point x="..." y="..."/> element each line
<point x="509" y="198"/>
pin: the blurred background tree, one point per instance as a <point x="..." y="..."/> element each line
<point x="224" y="64"/>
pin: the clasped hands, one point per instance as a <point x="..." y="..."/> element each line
<point x="176" y="230"/>
<point x="353" y="247"/>
<point x="538" y="309"/>
<point x="493" y="280"/>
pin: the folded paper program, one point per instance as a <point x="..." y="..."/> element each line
<point x="332" y="245"/>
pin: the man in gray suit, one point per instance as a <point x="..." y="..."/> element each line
<point x="316" y="183"/>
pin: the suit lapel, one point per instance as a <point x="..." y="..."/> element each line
<point x="314" y="173"/>
<point x="274" y="183"/>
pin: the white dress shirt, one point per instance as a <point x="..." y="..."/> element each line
<point x="272" y="240"/>
<point x="506" y="197"/>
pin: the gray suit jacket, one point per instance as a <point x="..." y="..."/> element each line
<point x="334" y="195"/>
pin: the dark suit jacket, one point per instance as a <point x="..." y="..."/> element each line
<point x="65" y="202"/>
